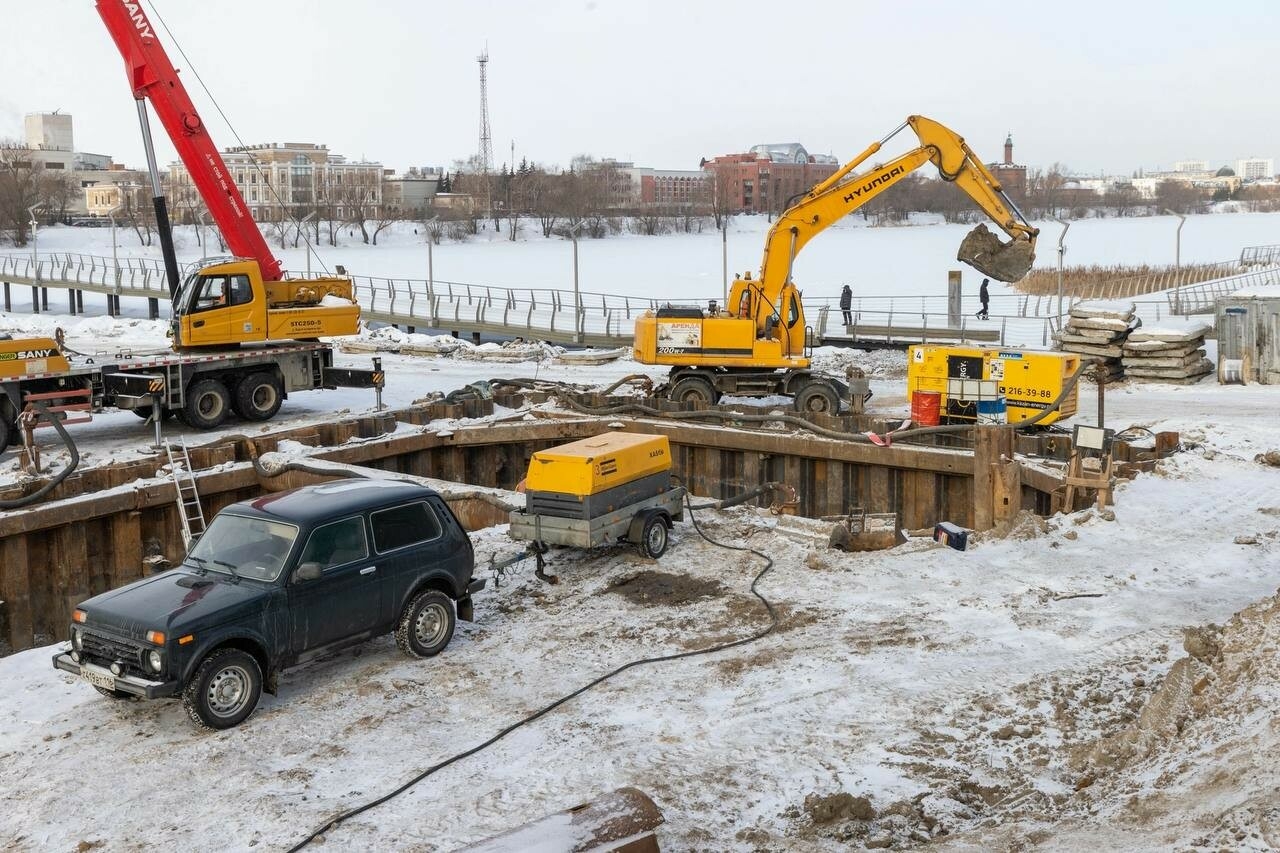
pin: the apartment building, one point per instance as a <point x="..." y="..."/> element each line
<point x="298" y="177"/>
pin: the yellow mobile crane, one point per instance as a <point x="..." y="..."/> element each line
<point x="758" y="345"/>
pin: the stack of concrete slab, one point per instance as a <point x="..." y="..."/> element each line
<point x="1171" y="352"/>
<point x="1099" y="329"/>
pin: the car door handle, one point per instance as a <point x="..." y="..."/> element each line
<point x="368" y="570"/>
<point x="198" y="323"/>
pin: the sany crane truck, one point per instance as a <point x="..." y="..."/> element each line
<point x="243" y="335"/>
<point x="758" y="345"/>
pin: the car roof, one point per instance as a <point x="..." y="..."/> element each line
<point x="334" y="499"/>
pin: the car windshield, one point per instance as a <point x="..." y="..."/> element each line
<point x="244" y="546"/>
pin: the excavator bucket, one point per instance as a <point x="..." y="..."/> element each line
<point x="983" y="250"/>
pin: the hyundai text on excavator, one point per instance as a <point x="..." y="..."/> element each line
<point x="222" y="305"/>
<point x="758" y="345"/>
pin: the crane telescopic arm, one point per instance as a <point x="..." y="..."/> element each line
<point x="153" y="77"/>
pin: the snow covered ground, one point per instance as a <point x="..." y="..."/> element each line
<point x="918" y="695"/>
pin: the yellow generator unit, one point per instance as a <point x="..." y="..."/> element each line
<point x="970" y="382"/>
<point x="595" y="476"/>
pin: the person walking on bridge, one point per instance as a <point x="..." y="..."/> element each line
<point x="846" y="303"/>
<point x="985" y="298"/>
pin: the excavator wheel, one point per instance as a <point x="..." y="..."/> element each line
<point x="983" y="250"/>
<point x="817" y="398"/>
<point x="693" y="389"/>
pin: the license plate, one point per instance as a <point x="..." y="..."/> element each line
<point x="98" y="679"/>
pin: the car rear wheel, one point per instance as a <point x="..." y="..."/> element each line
<point x="224" y="690"/>
<point x="426" y="625"/>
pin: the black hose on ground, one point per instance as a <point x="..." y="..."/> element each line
<point x="26" y="500"/>
<point x="773" y="624"/>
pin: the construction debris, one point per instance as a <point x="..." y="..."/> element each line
<point x="1100" y="329"/>
<point x="1170" y="353"/>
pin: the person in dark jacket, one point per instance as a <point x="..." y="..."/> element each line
<point x="846" y="303"/>
<point x="984" y="298"/>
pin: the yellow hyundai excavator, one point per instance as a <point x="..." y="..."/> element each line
<point x="758" y="345"/>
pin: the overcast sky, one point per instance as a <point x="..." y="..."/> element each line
<point x="1097" y="86"/>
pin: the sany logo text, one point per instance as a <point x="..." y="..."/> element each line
<point x="139" y="20"/>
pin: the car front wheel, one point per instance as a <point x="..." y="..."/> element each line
<point x="224" y="690"/>
<point x="426" y="625"/>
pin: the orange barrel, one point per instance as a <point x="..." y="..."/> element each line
<point x="926" y="407"/>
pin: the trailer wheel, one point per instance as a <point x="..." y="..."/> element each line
<point x="258" y="397"/>
<point x="653" y="536"/>
<point x="817" y="397"/>
<point x="207" y="404"/>
<point x="693" y="389"/>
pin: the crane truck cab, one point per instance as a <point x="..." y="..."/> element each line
<point x="225" y="302"/>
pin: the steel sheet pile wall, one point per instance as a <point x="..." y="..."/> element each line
<point x="100" y="531"/>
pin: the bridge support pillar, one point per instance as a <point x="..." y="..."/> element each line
<point x="8" y="299"/>
<point x="80" y="301"/>
<point x="35" y="299"/>
<point x="153" y="309"/>
<point x="44" y="299"/>
<point x="71" y="302"/>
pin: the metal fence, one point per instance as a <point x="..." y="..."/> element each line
<point x="605" y="319"/>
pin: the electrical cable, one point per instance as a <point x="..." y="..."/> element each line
<point x="155" y="13"/>
<point x="773" y="624"/>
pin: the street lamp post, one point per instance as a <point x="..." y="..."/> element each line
<point x="577" y="299"/>
<point x="1061" y="251"/>
<point x="724" y="262"/>
<point x="35" y="261"/>
<point x="306" y="239"/>
<point x="1177" y="240"/>
<point x="428" y="225"/>
<point x="113" y="300"/>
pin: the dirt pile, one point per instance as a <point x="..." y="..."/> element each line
<point x="661" y="589"/>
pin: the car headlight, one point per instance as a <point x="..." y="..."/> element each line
<point x="154" y="661"/>
<point x="77" y="639"/>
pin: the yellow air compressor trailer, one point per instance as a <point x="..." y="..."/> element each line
<point x="967" y="378"/>
<point x="609" y="488"/>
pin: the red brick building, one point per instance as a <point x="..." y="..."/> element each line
<point x="1012" y="177"/>
<point x="764" y="179"/>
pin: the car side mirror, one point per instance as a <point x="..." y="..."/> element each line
<point x="307" y="572"/>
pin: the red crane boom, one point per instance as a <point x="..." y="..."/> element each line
<point x="153" y="77"/>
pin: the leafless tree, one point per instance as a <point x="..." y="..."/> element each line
<point x="1180" y="197"/>
<point x="140" y="215"/>
<point x="20" y="177"/>
<point x="57" y="192"/>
